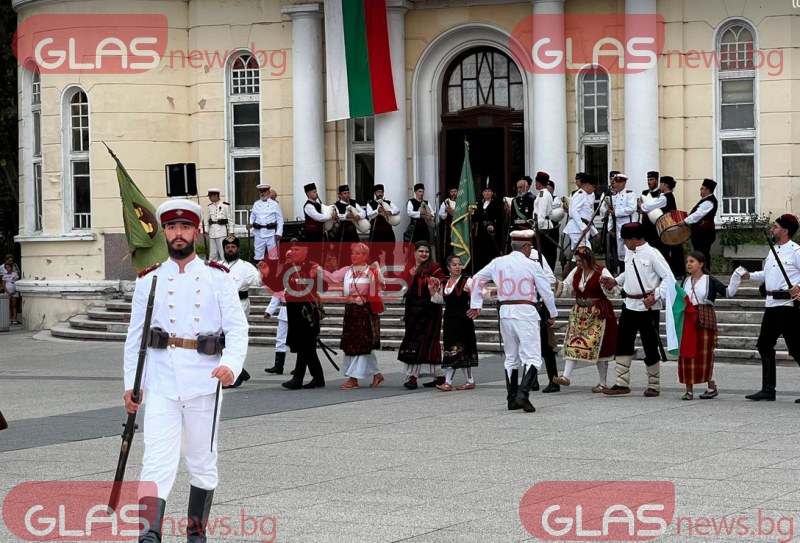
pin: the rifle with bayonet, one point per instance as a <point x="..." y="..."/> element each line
<point x="130" y="424"/>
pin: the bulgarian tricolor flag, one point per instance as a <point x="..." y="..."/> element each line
<point x="681" y="322"/>
<point x="358" y="63"/>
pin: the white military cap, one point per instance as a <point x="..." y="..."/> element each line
<point x="214" y="190"/>
<point x="621" y="176"/>
<point x="180" y="210"/>
<point x="522" y="234"/>
<point x="263" y="186"/>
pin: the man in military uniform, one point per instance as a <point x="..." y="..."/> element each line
<point x="650" y="233"/>
<point x="666" y="203"/>
<point x="266" y="218"/>
<point x="220" y="224"/>
<point x="548" y="229"/>
<point x="525" y="281"/>
<point x="315" y="218"/>
<point x="196" y="314"/>
<point x="277" y="304"/>
<point x="581" y="210"/>
<point x="701" y="220"/>
<point x="645" y="268"/>
<point x="521" y="209"/>
<point x="782" y="312"/>
<point x="621" y="211"/>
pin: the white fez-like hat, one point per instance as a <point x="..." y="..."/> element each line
<point x="263" y="186"/>
<point x="522" y="234"/>
<point x="180" y="210"/>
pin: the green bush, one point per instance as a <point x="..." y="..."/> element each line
<point x="746" y="230"/>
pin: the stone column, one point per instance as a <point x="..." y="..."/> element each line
<point x="308" y="116"/>
<point x="641" y="110"/>
<point x="391" y="153"/>
<point x="549" y="129"/>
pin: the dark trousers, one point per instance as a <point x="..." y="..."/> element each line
<point x="644" y="323"/>
<point x="550" y="246"/>
<point x="702" y="242"/>
<point x="780" y="321"/>
<point x="307" y="357"/>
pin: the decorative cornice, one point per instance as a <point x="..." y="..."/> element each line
<point x="41" y="238"/>
<point x="302" y="10"/>
<point x="72" y="289"/>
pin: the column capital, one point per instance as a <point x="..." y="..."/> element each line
<point x="399" y="5"/>
<point x="296" y="11"/>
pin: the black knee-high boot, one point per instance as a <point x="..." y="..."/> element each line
<point x="768" y="379"/>
<point x="522" y="398"/>
<point x="298" y="373"/>
<point x="152" y="517"/>
<point x="511" y="389"/>
<point x="199" y="508"/>
<point x="280" y="360"/>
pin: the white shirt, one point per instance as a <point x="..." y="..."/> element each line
<point x="410" y="210"/>
<point x="277" y="303"/>
<point x="566" y="289"/>
<point x="516" y="277"/>
<point x="581" y="208"/>
<point x="219" y="210"/>
<point x="202" y="300"/>
<point x="653" y="270"/>
<point x="624" y="203"/>
<point x="311" y="211"/>
<point x="548" y="272"/>
<point x="373" y="212"/>
<point x="443" y="209"/>
<point x="359" y="211"/>
<point x="703" y="209"/>
<point x="771" y="275"/>
<point x="267" y="212"/>
<point x="358" y="281"/>
<point x="659" y="202"/>
<point x="542" y="208"/>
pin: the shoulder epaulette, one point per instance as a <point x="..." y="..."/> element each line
<point x="226" y="203"/>
<point x="215" y="264"/>
<point x="148" y="270"/>
<point x="628" y="190"/>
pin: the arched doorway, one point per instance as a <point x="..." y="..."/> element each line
<point x="483" y="101"/>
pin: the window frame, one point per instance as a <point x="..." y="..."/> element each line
<point x="241" y="216"/>
<point x="354" y="148"/>
<point x="31" y="166"/>
<point x="720" y="135"/>
<point x="69" y="158"/>
<point x="477" y="52"/>
<point x="592" y="139"/>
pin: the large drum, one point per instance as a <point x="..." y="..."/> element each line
<point x="668" y="229"/>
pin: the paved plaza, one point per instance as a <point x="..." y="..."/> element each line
<point x="384" y="465"/>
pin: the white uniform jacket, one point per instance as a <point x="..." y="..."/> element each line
<point x="245" y="275"/>
<point x="277" y="303"/>
<point x="771" y="275"/>
<point x="202" y="300"/>
<point x="581" y="209"/>
<point x="653" y="270"/>
<point x="542" y="208"/>
<point x="517" y="278"/>
<point x="266" y="212"/>
<point x="216" y="211"/>
<point x="624" y="203"/>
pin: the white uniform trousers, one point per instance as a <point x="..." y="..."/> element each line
<point x="521" y="343"/>
<point x="268" y="245"/>
<point x="621" y="249"/>
<point x="174" y="428"/>
<point x="573" y="240"/>
<point x="215" y="248"/>
<point x="245" y="306"/>
<point x="280" y="337"/>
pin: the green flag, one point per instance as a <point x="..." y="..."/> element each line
<point x="465" y="201"/>
<point x="145" y="237"/>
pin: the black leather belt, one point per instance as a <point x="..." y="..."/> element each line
<point x="244" y="294"/>
<point x="516" y="302"/>
<point x="779" y="294"/>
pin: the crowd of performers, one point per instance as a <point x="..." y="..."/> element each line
<point x="442" y="297"/>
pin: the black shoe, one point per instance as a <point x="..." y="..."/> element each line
<point x="436" y="381"/>
<point x="535" y="386"/>
<point x="411" y="383"/>
<point x="762" y="395"/>
<point x="293" y="384"/>
<point x="276" y="369"/>
<point x="315" y="383"/>
<point x="552" y="387"/>
<point x="512" y="406"/>
<point x="244" y="376"/>
<point x="797" y="400"/>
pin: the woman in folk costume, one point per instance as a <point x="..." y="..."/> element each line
<point x="703" y="289"/>
<point x="488" y="223"/>
<point x="460" y="343"/>
<point x="592" y="331"/>
<point x="361" y="325"/>
<point x="422" y="317"/>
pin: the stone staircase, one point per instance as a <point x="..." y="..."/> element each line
<point x="739" y="321"/>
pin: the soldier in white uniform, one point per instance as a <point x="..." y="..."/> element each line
<point x="519" y="282"/>
<point x="621" y="211"/>
<point x="195" y="305"/>
<point x="266" y="219"/>
<point x="782" y="312"/>
<point x="245" y="275"/>
<point x="641" y="309"/>
<point x="581" y="209"/>
<point x="220" y="224"/>
<point x="278" y="303"/>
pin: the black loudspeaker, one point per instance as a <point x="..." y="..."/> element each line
<point x="181" y="179"/>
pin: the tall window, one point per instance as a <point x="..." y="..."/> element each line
<point x="362" y="158"/>
<point x="594" y="139"/>
<point x="36" y="122"/>
<point x="244" y="132"/>
<point x="481" y="77"/>
<point x="77" y="178"/>
<point x="737" y="132"/>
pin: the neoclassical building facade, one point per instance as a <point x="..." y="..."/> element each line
<point x="240" y="92"/>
